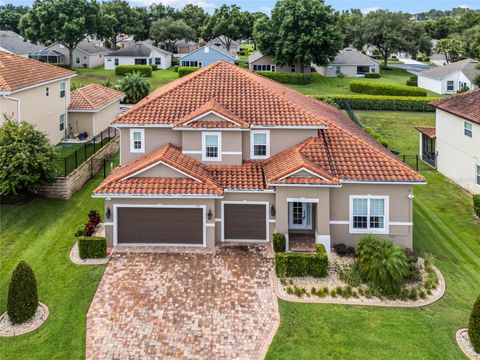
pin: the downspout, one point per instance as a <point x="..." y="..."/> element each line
<point x="18" y="105"/>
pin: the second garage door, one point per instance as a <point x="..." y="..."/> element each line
<point x="245" y="222"/>
<point x="176" y="226"/>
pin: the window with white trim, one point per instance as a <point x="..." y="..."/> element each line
<point x="467" y="129"/>
<point x="137" y="140"/>
<point x="62" y="90"/>
<point x="158" y="61"/>
<point x="450" y="85"/>
<point x="116" y="61"/>
<point x="260" y="144"/>
<point x="478" y="174"/>
<point x="211" y="146"/>
<point x="369" y="214"/>
<point x="61" y="122"/>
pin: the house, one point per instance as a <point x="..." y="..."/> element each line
<point x="351" y="63"/>
<point x="139" y="53"/>
<point x="92" y="109"/>
<point x="453" y="145"/>
<point x="206" y="55"/>
<point x="48" y="56"/>
<point x="438" y="59"/>
<point x="87" y="54"/>
<point x="259" y="62"/>
<point x="224" y="155"/>
<point x="221" y="40"/>
<point x="450" y="78"/>
<point x="183" y="47"/>
<point x="13" y="43"/>
<point x="35" y="92"/>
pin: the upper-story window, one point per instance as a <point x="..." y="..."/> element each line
<point x="467" y="129"/>
<point x="450" y="85"/>
<point x="259" y="144"/>
<point x="137" y="140"/>
<point x="47" y="91"/>
<point x="211" y="146"/>
<point x="62" y="90"/>
<point x="368" y="214"/>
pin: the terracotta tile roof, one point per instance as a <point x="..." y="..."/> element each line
<point x="465" y="105"/>
<point x="17" y="72"/>
<point x="248" y="176"/>
<point x="429" y="131"/>
<point x="93" y="97"/>
<point x="252" y="98"/>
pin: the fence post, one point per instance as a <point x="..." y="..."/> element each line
<point x="104" y="168"/>
<point x="101" y="138"/>
<point x="416" y="161"/>
<point x="76" y="159"/>
<point x="108" y="132"/>
<point x="65" y="168"/>
<point x="94" y="144"/>
<point x="403" y="157"/>
<point x="85" y="150"/>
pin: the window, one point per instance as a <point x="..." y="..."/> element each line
<point x="338" y="69"/>
<point x="467" y="129"/>
<point x="294" y="68"/>
<point x="77" y="60"/>
<point x="158" y="61"/>
<point x="200" y="64"/>
<point x="267" y="67"/>
<point x="116" y="62"/>
<point x="211" y="148"/>
<point x="137" y="140"/>
<point x="140" y="61"/>
<point x="47" y="91"/>
<point x="190" y="63"/>
<point x="478" y="174"/>
<point x="259" y="144"/>
<point x="369" y="214"/>
<point x="62" y="122"/>
<point x="450" y="85"/>
<point x="62" y="90"/>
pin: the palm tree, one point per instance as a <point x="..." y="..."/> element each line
<point x="134" y="86"/>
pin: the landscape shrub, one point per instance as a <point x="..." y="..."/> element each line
<point x="185" y="70"/>
<point x="350" y="274"/>
<point x="476" y="204"/>
<point x="383" y="263"/>
<point x="378" y="88"/>
<point x="175" y="61"/>
<point x="80" y="231"/>
<point x="22" y="299"/>
<point x="302" y="264"/>
<point x="412" y="83"/>
<point x="175" y="68"/>
<point x="279" y="242"/>
<point x="154" y="67"/>
<point x="474" y="326"/>
<point x="376" y="135"/>
<point x="92" y="247"/>
<point x="425" y="58"/>
<point x="343" y="250"/>
<point x="413" y="266"/>
<point x="89" y="228"/>
<point x="146" y="70"/>
<point x="390" y="103"/>
<point x="241" y="63"/>
<point x="287" y="78"/>
<point x="372" y="75"/>
<point x="134" y="86"/>
<point x="413" y="78"/>
<point x="65" y="66"/>
<point x="94" y="217"/>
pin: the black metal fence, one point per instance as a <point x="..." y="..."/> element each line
<point x="417" y="163"/>
<point x="106" y="166"/>
<point x="68" y="163"/>
<point x="350" y="113"/>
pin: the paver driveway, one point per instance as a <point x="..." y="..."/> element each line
<point x="184" y="306"/>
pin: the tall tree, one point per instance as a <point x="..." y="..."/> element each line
<point x="471" y="39"/>
<point x="453" y="48"/>
<point x="301" y="32"/>
<point x="145" y="18"/>
<point x="348" y="20"/>
<point x="65" y="21"/>
<point x="227" y="22"/>
<point x="169" y="31"/>
<point x="10" y="17"/>
<point x="160" y="11"/>
<point x="194" y="16"/>
<point x="118" y="18"/>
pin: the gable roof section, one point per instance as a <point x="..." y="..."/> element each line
<point x="201" y="50"/>
<point x="350" y="56"/>
<point x="12" y="42"/>
<point x="139" y="48"/>
<point x="91" y="48"/>
<point x="465" y="105"/>
<point x="467" y="66"/>
<point x="93" y="97"/>
<point x="428" y="131"/>
<point x="17" y="72"/>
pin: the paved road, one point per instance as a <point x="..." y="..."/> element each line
<point x="412" y="67"/>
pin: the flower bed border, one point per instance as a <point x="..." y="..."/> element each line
<point x="28" y="326"/>
<point x="465" y="345"/>
<point x="77" y="260"/>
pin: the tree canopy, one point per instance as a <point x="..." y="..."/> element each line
<point x="194" y="16"/>
<point x="169" y="31"/>
<point x="227" y="22"/>
<point x="118" y="18"/>
<point x="10" y="16"/>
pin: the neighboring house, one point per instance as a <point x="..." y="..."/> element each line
<point x="48" y="56"/>
<point x="221" y="41"/>
<point x="13" y="43"/>
<point x="438" y="59"/>
<point x="35" y="92"/>
<point x="259" y="62"/>
<point x="139" y="53"/>
<point x="183" y="47"/>
<point x="86" y="55"/>
<point x="453" y="146"/>
<point x="206" y="55"/>
<point x="450" y="78"/>
<point x="92" y="109"/>
<point x="351" y="63"/>
<point x="227" y="156"/>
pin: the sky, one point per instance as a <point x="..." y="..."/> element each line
<point x="411" y="6"/>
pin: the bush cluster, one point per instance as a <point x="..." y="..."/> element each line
<point x="279" y="242"/>
<point x="378" y="88"/>
<point x="476" y="204"/>
<point x="92" y="247"/>
<point x="376" y="135"/>
<point x="344" y="250"/>
<point x="372" y="75"/>
<point x="474" y="326"/>
<point x="413" y="81"/>
<point x="146" y="70"/>
<point x="89" y="228"/>
<point x="425" y="58"/>
<point x="391" y="103"/>
<point x="286" y="77"/>
<point x="302" y="264"/>
<point x="22" y="299"/>
<point x="242" y="63"/>
<point x="185" y="70"/>
<point x="154" y="67"/>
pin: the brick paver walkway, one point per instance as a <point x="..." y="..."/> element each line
<point x="184" y="306"/>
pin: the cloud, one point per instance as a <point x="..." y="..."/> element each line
<point x="177" y="3"/>
<point x="370" y="9"/>
<point x="265" y="9"/>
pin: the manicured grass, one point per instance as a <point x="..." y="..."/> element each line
<point x="41" y="233"/>
<point x="445" y="227"/>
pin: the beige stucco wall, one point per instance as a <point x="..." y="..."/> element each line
<point x="161" y="171"/>
<point x="93" y="122"/>
<point x="41" y="110"/>
<point x="267" y="60"/>
<point x="105" y="116"/>
<point x="347" y="70"/>
<point x="81" y="122"/>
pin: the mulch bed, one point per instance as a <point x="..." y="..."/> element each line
<point x="7" y="329"/>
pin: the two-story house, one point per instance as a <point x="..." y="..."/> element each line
<point x="223" y="155"/>
<point x="453" y="145"/>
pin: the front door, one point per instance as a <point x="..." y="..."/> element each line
<point x="300" y="215"/>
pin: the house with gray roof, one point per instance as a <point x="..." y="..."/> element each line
<point x="87" y="54"/>
<point x="13" y="43"/>
<point x="450" y="78"/>
<point x="351" y="63"/>
<point x="221" y="42"/>
<point x="139" y="53"/>
<point x="260" y="62"/>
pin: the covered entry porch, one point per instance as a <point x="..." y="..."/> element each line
<point x="301" y="225"/>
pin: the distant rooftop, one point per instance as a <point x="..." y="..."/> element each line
<point x="467" y="66"/>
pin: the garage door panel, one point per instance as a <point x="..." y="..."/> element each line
<point x="244" y="222"/>
<point x="160" y="226"/>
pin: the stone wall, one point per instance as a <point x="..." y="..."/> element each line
<point x="65" y="187"/>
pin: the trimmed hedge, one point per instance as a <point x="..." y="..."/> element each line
<point x="146" y="70"/>
<point x="392" y="103"/>
<point x="474" y="326"/>
<point x="289" y="264"/>
<point x="65" y="66"/>
<point x="412" y="83"/>
<point x="22" y="299"/>
<point x="378" y="88"/>
<point x="476" y="204"/>
<point x="287" y="78"/>
<point x="90" y="247"/>
<point x="372" y="75"/>
<point x="154" y="67"/>
<point x="279" y="242"/>
<point x="185" y="70"/>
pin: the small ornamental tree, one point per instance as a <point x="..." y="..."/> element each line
<point x="22" y="300"/>
<point x="134" y="86"/>
<point x="474" y="326"/>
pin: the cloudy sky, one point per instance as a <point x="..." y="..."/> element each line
<point x="267" y="5"/>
